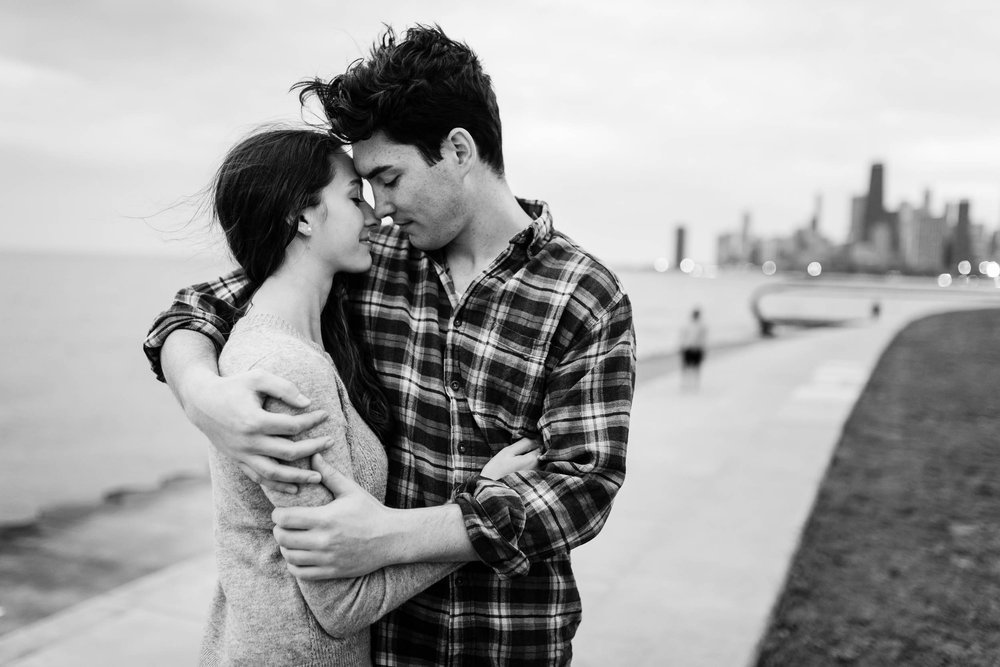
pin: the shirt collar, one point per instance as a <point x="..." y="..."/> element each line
<point x="536" y="235"/>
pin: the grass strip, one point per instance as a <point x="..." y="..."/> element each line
<point x="899" y="563"/>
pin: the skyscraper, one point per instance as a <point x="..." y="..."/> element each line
<point x="922" y="236"/>
<point x="857" y="233"/>
<point x="961" y="247"/>
<point x="679" y="249"/>
<point x="874" y="201"/>
<point x="879" y="226"/>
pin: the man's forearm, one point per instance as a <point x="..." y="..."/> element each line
<point x="186" y="357"/>
<point x="429" y="534"/>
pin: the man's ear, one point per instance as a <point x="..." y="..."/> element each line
<point x="460" y="145"/>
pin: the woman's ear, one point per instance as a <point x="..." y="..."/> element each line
<point x="304" y="227"/>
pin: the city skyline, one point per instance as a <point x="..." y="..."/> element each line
<point x="628" y="118"/>
<point x="914" y="238"/>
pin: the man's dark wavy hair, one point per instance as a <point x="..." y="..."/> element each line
<point x="415" y="90"/>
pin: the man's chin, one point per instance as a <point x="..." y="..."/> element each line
<point x="421" y="242"/>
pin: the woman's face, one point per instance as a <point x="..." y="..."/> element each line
<point x="342" y="220"/>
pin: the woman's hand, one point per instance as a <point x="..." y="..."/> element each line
<point x="522" y="456"/>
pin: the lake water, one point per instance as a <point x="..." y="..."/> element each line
<point x="80" y="413"/>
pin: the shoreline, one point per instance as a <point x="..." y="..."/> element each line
<point x="177" y="503"/>
<point x="648" y="368"/>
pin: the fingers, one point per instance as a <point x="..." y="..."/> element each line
<point x="296" y="519"/>
<point x="524" y="445"/>
<point x="525" y="462"/>
<point x="529" y="461"/>
<point x="276" y="423"/>
<point x="276" y="387"/>
<point x="293" y="450"/>
<point x="298" y="540"/>
<point x="262" y="468"/>
<point x="304" y="558"/>
<point x="338" y="483"/>
<point x="291" y="489"/>
<point x="320" y="465"/>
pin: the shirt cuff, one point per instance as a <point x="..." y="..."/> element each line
<point x="169" y="322"/>
<point x="494" y="519"/>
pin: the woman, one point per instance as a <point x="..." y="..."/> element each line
<point x="291" y="206"/>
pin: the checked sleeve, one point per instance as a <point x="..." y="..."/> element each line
<point x="525" y="517"/>
<point x="210" y="308"/>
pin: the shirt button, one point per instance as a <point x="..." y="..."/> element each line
<point x="455" y="385"/>
<point x="461" y="449"/>
<point x="458" y="323"/>
<point x="459" y="581"/>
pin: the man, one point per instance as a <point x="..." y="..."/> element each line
<point x="485" y="325"/>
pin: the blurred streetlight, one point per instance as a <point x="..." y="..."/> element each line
<point x="944" y="280"/>
<point x="769" y="268"/>
<point x="814" y="269"/>
<point x="965" y="267"/>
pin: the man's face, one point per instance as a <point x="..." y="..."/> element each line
<point x="425" y="201"/>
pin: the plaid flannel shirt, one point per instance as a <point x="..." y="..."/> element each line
<point x="541" y="343"/>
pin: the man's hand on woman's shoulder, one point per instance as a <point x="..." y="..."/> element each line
<point x="229" y="411"/>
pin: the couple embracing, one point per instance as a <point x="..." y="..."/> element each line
<point x="412" y="424"/>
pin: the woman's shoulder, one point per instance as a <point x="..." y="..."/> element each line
<point x="267" y="342"/>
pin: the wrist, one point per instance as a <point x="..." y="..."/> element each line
<point x="195" y="384"/>
<point x="427" y="534"/>
<point x="395" y="536"/>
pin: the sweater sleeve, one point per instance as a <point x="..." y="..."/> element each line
<point x="342" y="606"/>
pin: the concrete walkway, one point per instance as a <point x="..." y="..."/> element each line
<point x="720" y="482"/>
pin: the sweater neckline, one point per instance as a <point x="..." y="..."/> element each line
<point x="278" y="322"/>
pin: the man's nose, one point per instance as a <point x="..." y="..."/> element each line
<point x="383" y="208"/>
<point x="371" y="220"/>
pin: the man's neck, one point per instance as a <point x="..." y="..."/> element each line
<point x="497" y="219"/>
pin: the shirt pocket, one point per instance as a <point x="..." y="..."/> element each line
<point x="508" y="379"/>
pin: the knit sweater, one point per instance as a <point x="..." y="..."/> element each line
<point x="260" y="614"/>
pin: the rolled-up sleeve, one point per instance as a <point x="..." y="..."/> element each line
<point x="209" y="308"/>
<point x="526" y="517"/>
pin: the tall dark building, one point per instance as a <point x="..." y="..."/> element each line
<point x="679" y="249"/>
<point x="961" y="247"/>
<point x="874" y="201"/>
<point x="875" y="214"/>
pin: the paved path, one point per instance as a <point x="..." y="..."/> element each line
<point x="720" y="482"/>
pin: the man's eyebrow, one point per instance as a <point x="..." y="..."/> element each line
<point x="375" y="172"/>
<point x="356" y="181"/>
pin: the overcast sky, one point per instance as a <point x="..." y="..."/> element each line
<point x="628" y="117"/>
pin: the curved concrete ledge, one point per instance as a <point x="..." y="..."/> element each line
<point x="852" y="289"/>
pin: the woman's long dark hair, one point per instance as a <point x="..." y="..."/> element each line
<point x="262" y="186"/>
